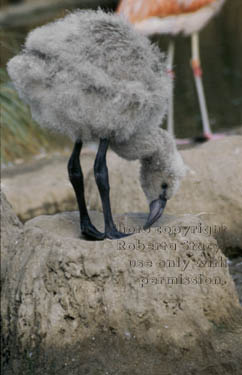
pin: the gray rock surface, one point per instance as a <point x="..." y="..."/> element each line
<point x="164" y="295"/>
<point x="42" y="186"/>
<point x="235" y="269"/>
<point x="213" y="190"/>
<point x="11" y="234"/>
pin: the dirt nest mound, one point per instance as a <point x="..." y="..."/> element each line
<point x="156" y="299"/>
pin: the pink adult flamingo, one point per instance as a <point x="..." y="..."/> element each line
<point x="173" y="17"/>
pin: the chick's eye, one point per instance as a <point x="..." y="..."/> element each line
<point x="164" y="185"/>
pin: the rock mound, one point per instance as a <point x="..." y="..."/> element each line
<point x="155" y="297"/>
<point x="11" y="234"/>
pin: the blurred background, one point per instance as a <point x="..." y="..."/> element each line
<point x="221" y="57"/>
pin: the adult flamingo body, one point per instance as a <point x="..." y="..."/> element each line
<point x="173" y="17"/>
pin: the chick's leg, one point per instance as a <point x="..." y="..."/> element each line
<point x="102" y="180"/>
<point x="77" y="181"/>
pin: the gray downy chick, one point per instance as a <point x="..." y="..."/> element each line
<point x="92" y="77"/>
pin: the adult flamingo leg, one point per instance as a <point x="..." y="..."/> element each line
<point x="197" y="72"/>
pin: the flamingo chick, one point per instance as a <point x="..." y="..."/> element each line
<point x="173" y="17"/>
<point x="93" y="77"/>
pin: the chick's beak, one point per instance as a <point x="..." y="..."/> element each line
<point x="156" y="210"/>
